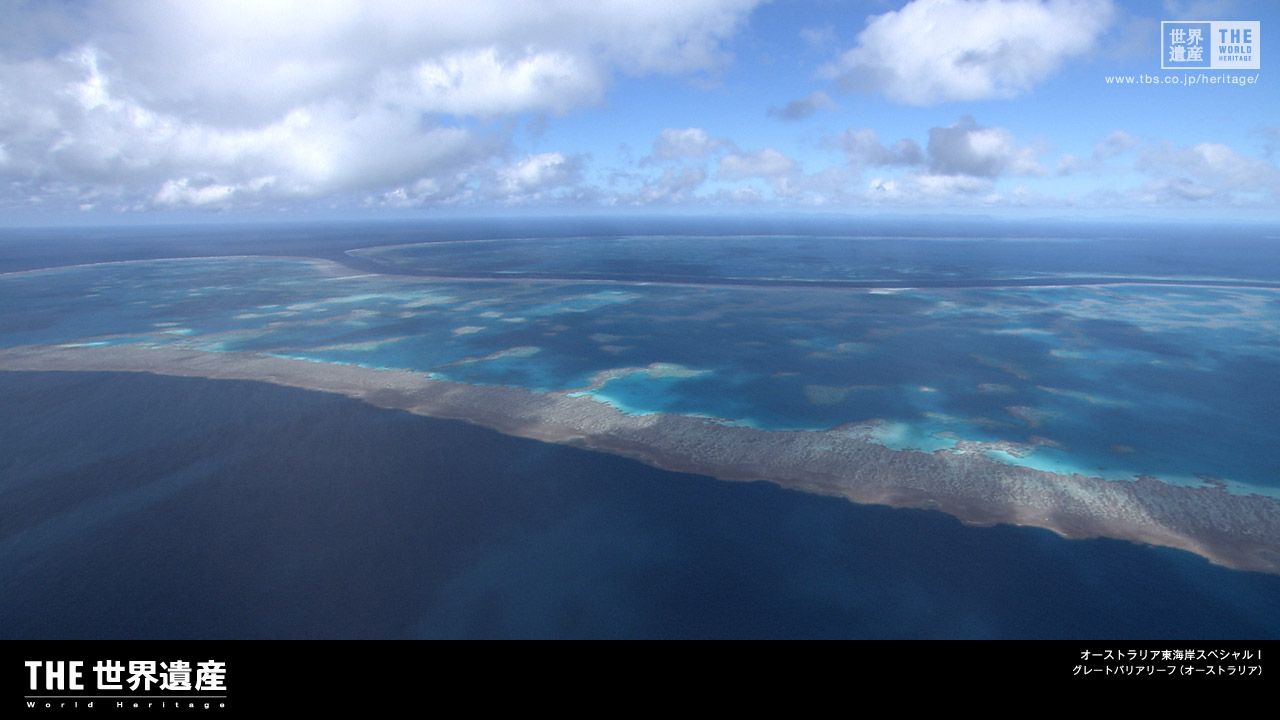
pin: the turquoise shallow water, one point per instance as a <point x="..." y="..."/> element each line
<point x="151" y="506"/>
<point x="1113" y="380"/>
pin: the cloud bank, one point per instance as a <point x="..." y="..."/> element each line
<point x="138" y="104"/>
<point x="937" y="51"/>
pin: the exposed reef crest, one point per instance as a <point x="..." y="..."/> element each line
<point x="1238" y="531"/>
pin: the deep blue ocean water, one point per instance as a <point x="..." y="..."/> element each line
<point x="240" y="509"/>
<point x="144" y="506"/>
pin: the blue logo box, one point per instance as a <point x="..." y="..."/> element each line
<point x="1185" y="45"/>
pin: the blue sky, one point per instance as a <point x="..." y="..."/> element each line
<point x="125" y="109"/>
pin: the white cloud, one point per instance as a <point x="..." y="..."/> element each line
<point x="1175" y="191"/>
<point x="234" y="102"/>
<point x="445" y="189"/>
<point x="928" y="189"/>
<point x="783" y="173"/>
<point x="887" y="187"/>
<point x="1203" y="175"/>
<point x="89" y="135"/>
<point x="936" y="51"/>
<point x="941" y="186"/>
<point x="479" y="82"/>
<point x="1209" y="161"/>
<point x="965" y="148"/>
<point x="536" y="175"/>
<point x="1208" y="170"/>
<point x="183" y="192"/>
<point x="767" y="163"/>
<point x="862" y="147"/>
<point x="676" y="143"/>
<point x="250" y="58"/>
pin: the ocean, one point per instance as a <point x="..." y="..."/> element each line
<point x="153" y="507"/>
<point x="135" y="505"/>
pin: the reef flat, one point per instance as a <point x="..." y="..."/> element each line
<point x="1236" y="530"/>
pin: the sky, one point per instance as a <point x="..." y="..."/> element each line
<point x="318" y="108"/>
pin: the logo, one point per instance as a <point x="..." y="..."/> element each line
<point x="1213" y="45"/>
<point x="114" y="684"/>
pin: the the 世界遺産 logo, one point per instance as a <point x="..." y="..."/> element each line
<point x="1210" y="44"/>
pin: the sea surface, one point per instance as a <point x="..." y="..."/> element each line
<point x="156" y="507"/>
<point x="146" y="506"/>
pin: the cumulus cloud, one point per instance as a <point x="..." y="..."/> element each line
<point x="862" y="147"/>
<point x="803" y="108"/>
<point x="1175" y="191"/>
<point x="1206" y="175"/>
<point x="1207" y="170"/>
<point x="1207" y="160"/>
<point x="927" y="189"/>
<point x="264" y="58"/>
<point x="937" y="51"/>
<point x="961" y="164"/>
<point x="485" y="83"/>
<point x="965" y="148"/>
<point x="677" y="144"/>
<point x="947" y="185"/>
<point x="89" y="135"/>
<point x="781" y="171"/>
<point x="767" y="163"/>
<point x="536" y="175"/>
<point x="441" y="190"/>
<point x="232" y="102"/>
